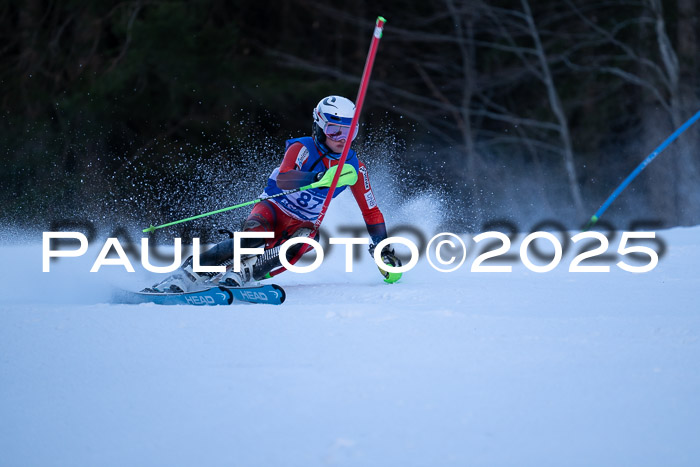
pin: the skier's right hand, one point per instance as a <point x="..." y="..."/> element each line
<point x="347" y="177"/>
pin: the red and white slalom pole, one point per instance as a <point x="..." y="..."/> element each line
<point x="378" y="29"/>
<point x="377" y="34"/>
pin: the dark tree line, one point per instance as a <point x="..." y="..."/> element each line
<point x="509" y="106"/>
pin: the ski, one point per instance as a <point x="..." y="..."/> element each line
<point x="271" y="294"/>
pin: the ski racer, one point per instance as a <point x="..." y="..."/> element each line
<point x="306" y="160"/>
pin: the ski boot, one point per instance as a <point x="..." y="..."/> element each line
<point x="238" y="279"/>
<point x="184" y="280"/>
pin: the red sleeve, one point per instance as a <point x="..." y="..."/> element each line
<point x="294" y="157"/>
<point x="290" y="177"/>
<point x="362" y="191"/>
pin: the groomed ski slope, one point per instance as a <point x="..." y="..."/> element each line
<point x="461" y="368"/>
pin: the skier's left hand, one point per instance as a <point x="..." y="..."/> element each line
<point x="388" y="255"/>
<point x="390" y="259"/>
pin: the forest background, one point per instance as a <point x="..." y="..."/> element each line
<point x="512" y="109"/>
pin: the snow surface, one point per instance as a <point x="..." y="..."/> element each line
<point x="460" y="368"/>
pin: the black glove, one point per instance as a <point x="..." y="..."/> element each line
<point x="388" y="255"/>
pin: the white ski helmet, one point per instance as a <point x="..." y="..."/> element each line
<point x="332" y="119"/>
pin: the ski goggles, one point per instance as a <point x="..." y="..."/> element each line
<point x="336" y="132"/>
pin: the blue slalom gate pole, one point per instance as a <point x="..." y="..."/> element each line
<point x="639" y="169"/>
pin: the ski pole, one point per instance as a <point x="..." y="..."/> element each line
<point x="247" y="203"/>
<point x="639" y="169"/>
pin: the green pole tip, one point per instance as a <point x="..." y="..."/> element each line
<point x="591" y="223"/>
<point x="149" y="230"/>
<point x="392" y="277"/>
<point x="381" y="18"/>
